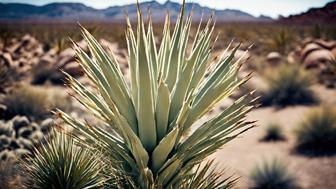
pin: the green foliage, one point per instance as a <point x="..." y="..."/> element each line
<point x="61" y="164"/>
<point x="151" y="119"/>
<point x="272" y="175"/>
<point x="288" y="85"/>
<point x="316" y="135"/>
<point x="273" y="132"/>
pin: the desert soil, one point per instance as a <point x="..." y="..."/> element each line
<point x="243" y="154"/>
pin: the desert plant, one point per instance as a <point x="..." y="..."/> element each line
<point x="288" y="85"/>
<point x="152" y="119"/>
<point x="33" y="102"/>
<point x="273" y="132"/>
<point x="61" y="164"/>
<point x="316" y="134"/>
<point x="26" y="100"/>
<point x="272" y="175"/>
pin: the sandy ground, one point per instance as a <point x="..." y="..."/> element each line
<point x="243" y="154"/>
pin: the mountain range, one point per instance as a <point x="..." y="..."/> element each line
<point x="70" y="12"/>
<point x="323" y="15"/>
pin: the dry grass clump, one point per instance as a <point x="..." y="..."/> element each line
<point x="288" y="85"/>
<point x="42" y="73"/>
<point x="272" y="175"/>
<point x="316" y="135"/>
<point x="33" y="102"/>
<point x="273" y="132"/>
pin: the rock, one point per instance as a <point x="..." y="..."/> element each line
<point x="74" y="69"/>
<point x="46" y="125"/>
<point x="325" y="44"/>
<point x="51" y="52"/>
<point x="37" y="137"/>
<point x="25" y="132"/>
<point x="273" y="58"/>
<point x="34" y="126"/>
<point x="7" y="155"/>
<point x="6" y="129"/>
<point x="83" y="45"/>
<point x="66" y="56"/>
<point x="293" y="58"/>
<point x="25" y="143"/>
<point x="6" y="59"/>
<point x="333" y="52"/>
<point x="3" y="109"/>
<point x="67" y="52"/>
<point x="4" y="140"/>
<point x="14" y="145"/>
<point x="20" y="122"/>
<point x="307" y="49"/>
<point x="318" y="58"/>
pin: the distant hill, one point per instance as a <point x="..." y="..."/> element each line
<point x="324" y="15"/>
<point x="70" y="12"/>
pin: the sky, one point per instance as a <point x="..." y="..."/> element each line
<point x="272" y="8"/>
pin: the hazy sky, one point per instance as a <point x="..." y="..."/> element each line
<point x="256" y="7"/>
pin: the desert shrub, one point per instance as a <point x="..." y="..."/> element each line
<point x="272" y="175"/>
<point x="316" y="134"/>
<point x="273" y="132"/>
<point x="33" y="102"/>
<point x="59" y="163"/>
<point x="45" y="72"/>
<point x="27" y="101"/>
<point x="288" y="85"/>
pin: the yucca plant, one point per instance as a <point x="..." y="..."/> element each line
<point x="153" y="138"/>
<point x="61" y="164"/>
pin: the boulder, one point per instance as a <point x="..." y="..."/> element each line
<point x="6" y="59"/>
<point x="20" y="122"/>
<point x="318" y="58"/>
<point x="74" y="69"/>
<point x="274" y="58"/>
<point x="333" y="52"/>
<point x="325" y="44"/>
<point x="307" y="49"/>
